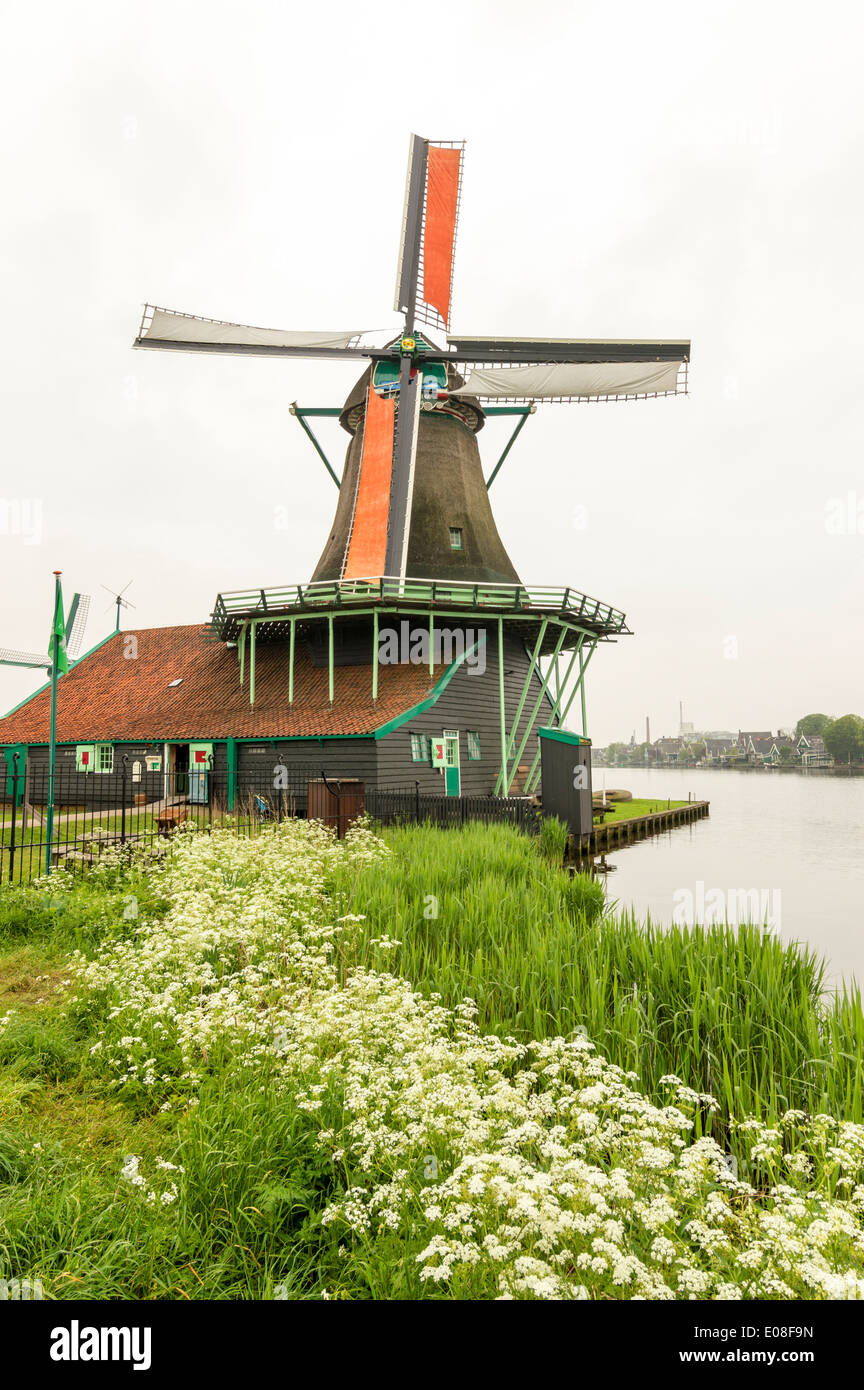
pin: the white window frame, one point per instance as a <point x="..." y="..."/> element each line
<point x="98" y="753"/>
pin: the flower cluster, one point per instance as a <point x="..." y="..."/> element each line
<point x="506" y="1170"/>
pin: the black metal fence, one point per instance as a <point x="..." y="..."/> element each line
<point x="398" y="805"/>
<point x="93" y="814"/>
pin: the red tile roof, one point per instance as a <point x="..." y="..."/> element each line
<point x="112" y="696"/>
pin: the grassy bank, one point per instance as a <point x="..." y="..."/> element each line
<point x="231" y="1091"/>
<point x="734" y="1010"/>
<point x="639" y="806"/>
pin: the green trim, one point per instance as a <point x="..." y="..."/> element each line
<point x="430" y="700"/>
<point x="47" y="685"/>
<point x="231" y="751"/>
<point x="563" y="736"/>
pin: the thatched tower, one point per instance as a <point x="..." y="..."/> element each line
<point x="452" y="530"/>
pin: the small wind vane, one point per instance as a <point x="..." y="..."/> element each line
<point x="119" y="600"/>
<point x="411" y="372"/>
<point x="76" y="621"/>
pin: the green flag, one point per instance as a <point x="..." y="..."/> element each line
<point x="59" y="631"/>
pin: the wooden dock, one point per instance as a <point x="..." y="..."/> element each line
<point x="618" y="833"/>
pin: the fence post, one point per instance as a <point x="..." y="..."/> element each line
<point x="209" y="776"/>
<point x="417" y="801"/>
<point x="15" y="757"/>
<point x="123" y="798"/>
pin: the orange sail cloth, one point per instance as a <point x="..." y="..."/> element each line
<point x="442" y="194"/>
<point x="367" y="549"/>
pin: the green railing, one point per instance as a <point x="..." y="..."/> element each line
<point x="260" y="604"/>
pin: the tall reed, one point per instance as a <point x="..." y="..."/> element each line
<point x="731" y="1010"/>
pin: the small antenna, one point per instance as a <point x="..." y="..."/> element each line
<point x="119" y="600"/>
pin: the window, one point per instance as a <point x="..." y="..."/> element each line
<point x="419" y="748"/>
<point x="473" y="745"/>
<point x="455" y="537"/>
<point x="104" y="757"/>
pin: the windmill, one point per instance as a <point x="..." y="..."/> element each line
<point x="119" y="600"/>
<point x="413" y="511"/>
<point x="76" y="621"/>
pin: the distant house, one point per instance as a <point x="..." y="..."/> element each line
<point x="747" y="740"/>
<point x="717" y="750"/>
<point x="813" y="752"/>
<point x="667" y="749"/>
<point x="759" y="749"/>
<point x="778" y="744"/>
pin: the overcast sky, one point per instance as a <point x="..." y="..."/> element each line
<point x="632" y="170"/>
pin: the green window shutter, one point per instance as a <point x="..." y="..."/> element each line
<point x="85" y="757"/>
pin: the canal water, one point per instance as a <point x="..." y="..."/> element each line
<point x="785" y="849"/>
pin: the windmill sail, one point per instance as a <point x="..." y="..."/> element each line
<point x="171" y="330"/>
<point x="34" y="660"/>
<point x="425" y="277"/>
<point x="573" y="381"/>
<point x="76" y="622"/>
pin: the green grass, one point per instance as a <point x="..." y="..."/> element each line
<point x="638" y="806"/>
<point x="731" y="1010"/>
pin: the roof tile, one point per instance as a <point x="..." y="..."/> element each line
<point x="111" y="696"/>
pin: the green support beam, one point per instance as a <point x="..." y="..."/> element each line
<point x="231" y="753"/>
<point x="330" y="655"/>
<point x="502" y="782"/>
<point x="525" y="411"/>
<point x="502" y="704"/>
<point x="375" y="656"/>
<point x="252" y="663"/>
<point x="560" y="686"/>
<point x="300" y="413"/>
<point x="544" y="686"/>
<point x="291" y="662"/>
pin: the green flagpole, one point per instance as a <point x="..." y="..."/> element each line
<point x="52" y="752"/>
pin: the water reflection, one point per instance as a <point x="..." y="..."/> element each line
<point x="788" y="843"/>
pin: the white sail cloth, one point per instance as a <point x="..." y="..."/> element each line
<point x="186" y="328"/>
<point x="575" y="379"/>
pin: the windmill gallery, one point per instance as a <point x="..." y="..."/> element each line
<point x="415" y="653"/>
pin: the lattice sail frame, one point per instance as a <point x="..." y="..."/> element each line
<point x="426" y="313"/>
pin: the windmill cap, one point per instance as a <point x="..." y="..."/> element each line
<point x="357" y="397"/>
